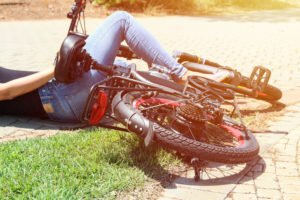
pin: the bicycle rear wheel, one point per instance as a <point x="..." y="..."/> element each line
<point x="186" y="133"/>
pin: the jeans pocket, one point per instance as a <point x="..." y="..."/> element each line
<point x="47" y="102"/>
<point x="58" y="110"/>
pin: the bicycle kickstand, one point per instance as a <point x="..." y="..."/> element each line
<point x="197" y="165"/>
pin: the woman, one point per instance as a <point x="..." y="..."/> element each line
<point x="38" y="95"/>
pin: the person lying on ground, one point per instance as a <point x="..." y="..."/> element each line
<point x="38" y="94"/>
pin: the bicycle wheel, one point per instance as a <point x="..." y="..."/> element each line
<point x="186" y="133"/>
<point x="270" y="92"/>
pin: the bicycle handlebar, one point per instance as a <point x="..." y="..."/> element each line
<point x="80" y="2"/>
<point x="182" y="56"/>
<point x="77" y="8"/>
<point x="105" y="68"/>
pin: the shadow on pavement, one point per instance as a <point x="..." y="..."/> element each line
<point x="10" y="124"/>
<point x="217" y="174"/>
<point x="272" y="107"/>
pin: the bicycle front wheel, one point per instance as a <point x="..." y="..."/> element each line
<point x="270" y="93"/>
<point x="177" y="126"/>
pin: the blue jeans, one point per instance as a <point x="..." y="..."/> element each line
<point x="65" y="102"/>
<point x="104" y="43"/>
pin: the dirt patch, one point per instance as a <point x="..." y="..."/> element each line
<point x="257" y="114"/>
<point x="42" y="9"/>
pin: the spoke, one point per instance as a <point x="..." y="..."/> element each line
<point x="164" y="114"/>
<point x="191" y="133"/>
<point x="84" y="25"/>
<point x="160" y="105"/>
<point x="172" y="123"/>
<point x="221" y="171"/>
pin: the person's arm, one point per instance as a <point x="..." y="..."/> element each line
<point x="17" y="87"/>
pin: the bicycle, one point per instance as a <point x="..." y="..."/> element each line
<point x="182" y="118"/>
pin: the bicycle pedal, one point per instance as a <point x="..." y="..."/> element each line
<point x="259" y="78"/>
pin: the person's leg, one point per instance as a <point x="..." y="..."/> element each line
<point x="25" y="105"/>
<point x="28" y="104"/>
<point x="10" y="74"/>
<point x="104" y="43"/>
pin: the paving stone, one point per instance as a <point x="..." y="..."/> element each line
<point x="212" y="186"/>
<point x="289" y="180"/>
<point x="263" y="198"/>
<point x="247" y="180"/>
<point x="286" y="152"/>
<point x="265" y="176"/>
<point x="290" y="196"/>
<point x="290" y="189"/>
<point x="238" y="196"/>
<point x="269" y="193"/>
<point x="269" y="154"/>
<point x="258" y="168"/>
<point x="7" y="130"/>
<point x="5" y="120"/>
<point x="266" y="162"/>
<point x="167" y="198"/>
<point x="270" y="169"/>
<point x="267" y="184"/>
<point x="225" y="173"/>
<point x="25" y="126"/>
<point x="191" y="194"/>
<point x="244" y="189"/>
<point x="279" y="128"/>
<point x="24" y="119"/>
<point x="285" y="158"/>
<point x="286" y="165"/>
<point x="286" y="172"/>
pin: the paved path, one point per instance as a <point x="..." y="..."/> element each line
<point x="267" y="38"/>
<point x="275" y="175"/>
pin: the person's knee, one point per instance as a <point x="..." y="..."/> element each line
<point x="121" y="15"/>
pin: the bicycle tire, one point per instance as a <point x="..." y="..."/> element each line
<point x="125" y="110"/>
<point x="270" y="93"/>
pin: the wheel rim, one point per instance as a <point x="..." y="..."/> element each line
<point x="216" y="88"/>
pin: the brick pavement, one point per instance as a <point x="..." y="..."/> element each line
<point x="274" y="175"/>
<point x="270" y="38"/>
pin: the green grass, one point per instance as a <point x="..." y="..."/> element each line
<point x="86" y="165"/>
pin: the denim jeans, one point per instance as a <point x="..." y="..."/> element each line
<point x="65" y="102"/>
<point x="104" y="43"/>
